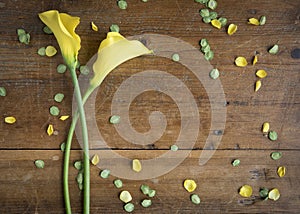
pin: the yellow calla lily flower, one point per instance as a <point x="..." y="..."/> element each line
<point x="63" y="27"/>
<point x="113" y="51"/>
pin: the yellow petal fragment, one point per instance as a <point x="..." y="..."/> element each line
<point x="125" y="196"/>
<point x="94" y="27"/>
<point x="246" y="191"/>
<point x="257" y="85"/>
<point x="64" y="117"/>
<point x="63" y="27"/>
<point x="216" y="23"/>
<point x="113" y="51"/>
<point x="136" y="165"/>
<point x="253" y="21"/>
<point x="190" y="185"/>
<point x="241" y="61"/>
<point x="10" y="120"/>
<point x="261" y="73"/>
<point x="255" y="59"/>
<point x="95" y="159"/>
<point x="274" y="194"/>
<point x="266" y="127"/>
<point x="50" y="51"/>
<point x="50" y="129"/>
<point x="281" y="171"/>
<point x="232" y="28"/>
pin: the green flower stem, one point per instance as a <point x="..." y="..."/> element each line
<point x="86" y="161"/>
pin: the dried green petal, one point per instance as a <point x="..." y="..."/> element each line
<point x="202" y="1"/>
<point x="118" y="183"/>
<point x="129" y="207"/>
<point x="47" y="30"/>
<point x="204" y="13"/>
<point x="59" y="97"/>
<point x="39" y="164"/>
<point x="21" y="31"/>
<point x="195" y="199"/>
<point x="146" y="203"/>
<point x="203" y="42"/>
<point x="114" y="28"/>
<point x="206" y="20"/>
<point x="223" y="21"/>
<point x="236" y="162"/>
<point x="84" y="69"/>
<point x="42" y="51"/>
<point x="115" y="119"/>
<point x="174" y="148"/>
<point x="209" y="55"/>
<point x="2" y="92"/>
<point x="273" y="135"/>
<point x="78" y="165"/>
<point x="79" y="177"/>
<point x="63" y="146"/>
<point x="61" y="68"/>
<point x="54" y="110"/>
<point x="145" y="189"/>
<point x="24" y="38"/>
<point x="213" y="15"/>
<point x="214" y="73"/>
<point x="276" y="155"/>
<point x="152" y="193"/>
<point x="262" y="20"/>
<point x="205" y="49"/>
<point x="175" y="57"/>
<point x="122" y="4"/>
<point x="264" y="192"/>
<point x="105" y="173"/>
<point x="212" y="4"/>
<point x="274" y="49"/>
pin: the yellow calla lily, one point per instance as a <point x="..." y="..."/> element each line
<point x="63" y="27"/>
<point x="113" y="51"/>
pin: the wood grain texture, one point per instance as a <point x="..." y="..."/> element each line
<point x="31" y="82"/>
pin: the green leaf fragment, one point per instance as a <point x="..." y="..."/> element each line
<point x="152" y="193"/>
<point x="205" y="49"/>
<point x="213" y="15"/>
<point x="118" y="183"/>
<point x="206" y="20"/>
<point x="273" y="135"/>
<point x="84" y="69"/>
<point x="54" y="110"/>
<point x="79" y="177"/>
<point x="236" y="162"/>
<point x="63" y="146"/>
<point x="146" y="203"/>
<point x="129" y="207"/>
<point x="209" y="55"/>
<point x="175" y="57"/>
<point x="263" y="193"/>
<point x="214" y="73"/>
<point x="80" y="186"/>
<point x="114" y="28"/>
<point x="78" y="165"/>
<point x="105" y="173"/>
<point x="204" y="13"/>
<point x="212" y="4"/>
<point x="223" y="21"/>
<point x="47" y="30"/>
<point x="174" y="148"/>
<point x="20" y="31"/>
<point x="262" y="20"/>
<point x="2" y="92"/>
<point x="59" y="97"/>
<point x="195" y="199"/>
<point x="115" y="119"/>
<point x="203" y="43"/>
<point x="122" y="4"/>
<point x="24" y="38"/>
<point x="276" y="155"/>
<point x="39" y="164"/>
<point x="61" y="68"/>
<point x="274" y="49"/>
<point x="42" y="51"/>
<point x="145" y="189"/>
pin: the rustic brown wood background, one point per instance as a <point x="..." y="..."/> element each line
<point x="31" y="82"/>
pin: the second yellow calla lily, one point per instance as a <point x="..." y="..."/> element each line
<point x="63" y="27"/>
<point x="113" y="51"/>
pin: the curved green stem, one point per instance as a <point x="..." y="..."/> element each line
<point x="86" y="161"/>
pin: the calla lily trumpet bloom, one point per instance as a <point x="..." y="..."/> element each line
<point x="113" y="51"/>
<point x="63" y="27"/>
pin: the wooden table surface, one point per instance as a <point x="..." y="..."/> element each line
<point x="31" y="82"/>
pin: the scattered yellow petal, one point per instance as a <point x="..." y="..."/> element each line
<point x="261" y="73"/>
<point x="281" y="171"/>
<point x="64" y="117"/>
<point x="190" y="185"/>
<point x="216" y="23"/>
<point x="253" y="21"/>
<point x="50" y="51"/>
<point x="257" y="85"/>
<point x="10" y="120"/>
<point x="255" y="59"/>
<point x="232" y="29"/>
<point x="246" y="191"/>
<point x="94" y="27"/>
<point x="266" y="127"/>
<point x="95" y="160"/>
<point x="50" y="130"/>
<point x="274" y="194"/>
<point x="125" y="196"/>
<point x="241" y="61"/>
<point x="136" y="165"/>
